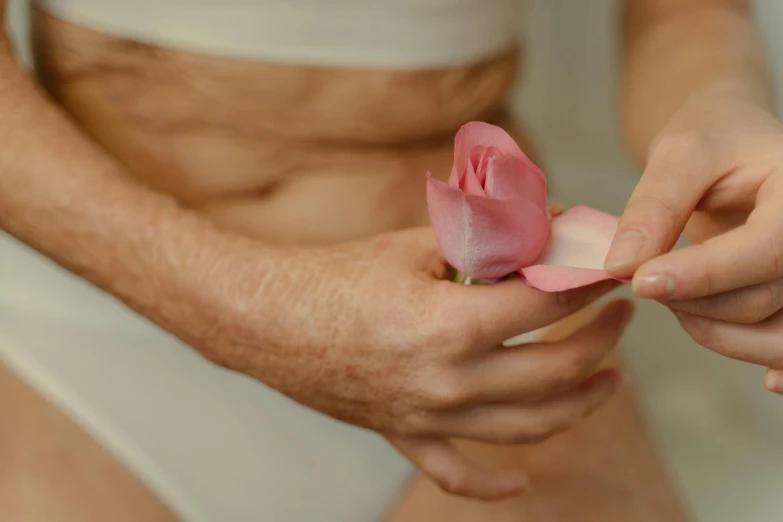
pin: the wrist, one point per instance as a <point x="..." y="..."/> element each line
<point x="236" y="301"/>
<point x="214" y="288"/>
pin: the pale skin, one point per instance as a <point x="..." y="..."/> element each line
<point x="175" y="248"/>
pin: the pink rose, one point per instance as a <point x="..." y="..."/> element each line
<point x="491" y="220"/>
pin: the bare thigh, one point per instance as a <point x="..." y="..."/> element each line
<point x="52" y="470"/>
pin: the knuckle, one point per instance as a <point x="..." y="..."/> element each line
<point x="567" y="374"/>
<point x="453" y="482"/>
<point x="762" y="304"/>
<point x="572" y="367"/>
<point x="703" y="334"/>
<point x="415" y="423"/>
<point x="443" y="392"/>
<point x="659" y="205"/>
<point x="448" y="478"/>
<point x="647" y="205"/>
<point x="454" y="336"/>
<point x="683" y="147"/>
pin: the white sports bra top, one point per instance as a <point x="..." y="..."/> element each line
<point x="361" y="33"/>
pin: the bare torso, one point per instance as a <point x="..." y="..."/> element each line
<point x="280" y="152"/>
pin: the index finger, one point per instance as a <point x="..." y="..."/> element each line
<point x="675" y="179"/>
<point x="511" y="307"/>
<point x="751" y="254"/>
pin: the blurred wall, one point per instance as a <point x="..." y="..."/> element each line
<point x="572" y="61"/>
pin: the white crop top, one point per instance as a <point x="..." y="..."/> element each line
<point x="360" y="33"/>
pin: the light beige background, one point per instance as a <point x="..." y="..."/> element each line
<point x="720" y="432"/>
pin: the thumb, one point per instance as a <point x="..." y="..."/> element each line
<point x="656" y="213"/>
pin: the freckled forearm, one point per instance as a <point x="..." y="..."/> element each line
<point x="674" y="48"/>
<point x="62" y="195"/>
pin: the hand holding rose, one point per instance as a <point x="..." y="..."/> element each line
<point x="390" y="345"/>
<point x="383" y="341"/>
<point x="491" y="218"/>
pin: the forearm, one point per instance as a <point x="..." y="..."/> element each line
<point x="61" y="194"/>
<point x="675" y="48"/>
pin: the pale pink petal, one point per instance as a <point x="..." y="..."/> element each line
<point x="469" y="184"/>
<point x="574" y="256"/>
<point x="510" y="177"/>
<point x="482" y="237"/>
<point x="553" y="278"/>
<point x="455" y="179"/>
<point x="479" y="133"/>
<point x="474" y="161"/>
<point x="581" y="237"/>
<point x="487" y="153"/>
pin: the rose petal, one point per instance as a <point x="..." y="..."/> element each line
<point x="455" y="179"/>
<point x="579" y="242"/>
<point x="469" y="184"/>
<point x="552" y="278"/>
<point x="487" y="154"/>
<point x="477" y="133"/>
<point x="510" y="177"/>
<point x="482" y="237"/>
<point x="474" y="161"/>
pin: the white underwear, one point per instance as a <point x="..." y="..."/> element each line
<point x="214" y="445"/>
<point x="360" y="33"/>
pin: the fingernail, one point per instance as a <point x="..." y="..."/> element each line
<point x="654" y="286"/>
<point x="625" y="250"/>
<point x="772" y="381"/>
